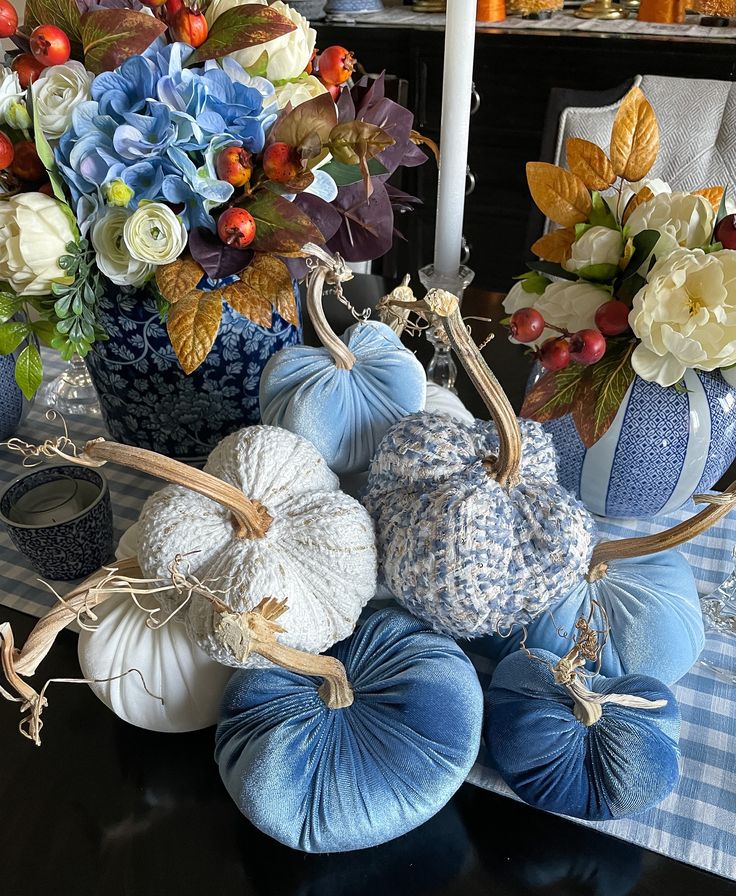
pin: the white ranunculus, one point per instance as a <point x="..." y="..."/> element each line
<point x="683" y="219"/>
<point x="153" y="234"/>
<point x="57" y="92"/>
<point x="685" y="316"/>
<point x="598" y="245"/>
<point x="34" y="232"/>
<point x="298" y="92"/>
<point x="10" y="90"/>
<point x="569" y="306"/>
<point x="112" y="255"/>
<point x="288" y="55"/>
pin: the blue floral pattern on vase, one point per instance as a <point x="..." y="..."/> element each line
<point x="146" y="398"/>
<point x="13" y="406"/>
<point x="663" y="446"/>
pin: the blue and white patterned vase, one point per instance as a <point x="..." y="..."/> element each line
<point x="663" y="446"/>
<point x="13" y="406"/>
<point x="146" y="398"/>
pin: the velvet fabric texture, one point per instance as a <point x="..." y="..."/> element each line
<point x="344" y="413"/>
<point x="653" y="608"/>
<point x="624" y="763"/>
<point x="324" y="780"/>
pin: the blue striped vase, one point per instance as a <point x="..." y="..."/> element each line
<point x="663" y="447"/>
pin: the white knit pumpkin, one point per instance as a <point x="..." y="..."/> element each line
<point x="319" y="549"/>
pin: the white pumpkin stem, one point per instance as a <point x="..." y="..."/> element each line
<point x="720" y="505"/>
<point x="334" y="271"/>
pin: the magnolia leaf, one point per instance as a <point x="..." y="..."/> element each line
<point x="265" y="284"/>
<point x="64" y="14"/>
<point x="12" y="334"/>
<point x="344" y="175"/>
<point x="601" y="215"/>
<point x="239" y="28"/>
<point x="600" y="273"/>
<point x="559" y="194"/>
<point x="610" y="379"/>
<point x="10" y="303"/>
<point x="29" y="371"/>
<point x="635" y="137"/>
<point x="553" y="269"/>
<point x="308" y="126"/>
<point x="534" y="283"/>
<point x="176" y="280"/>
<point x="644" y="195"/>
<point x="110" y="36"/>
<point x="555" y="246"/>
<point x="644" y="243"/>
<point x="281" y="227"/>
<point x="553" y="395"/>
<point x="590" y="163"/>
<point x="192" y="326"/>
<point x="629" y="287"/>
<point x="714" y="195"/>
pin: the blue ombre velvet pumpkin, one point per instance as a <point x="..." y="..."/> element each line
<point x="653" y="610"/>
<point x="331" y="780"/>
<point x="622" y="764"/>
<point x="344" y="412"/>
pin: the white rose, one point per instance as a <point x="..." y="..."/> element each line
<point x="154" y="234"/>
<point x="10" y="90"/>
<point x="298" y="92"/>
<point x="683" y="219"/>
<point x="685" y="316"/>
<point x="598" y="245"/>
<point x="57" y="92"/>
<point x="34" y="232"/>
<point x="112" y="255"/>
<point x="569" y="306"/>
<point x="288" y="55"/>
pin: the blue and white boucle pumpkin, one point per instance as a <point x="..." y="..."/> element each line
<point x="474" y="532"/>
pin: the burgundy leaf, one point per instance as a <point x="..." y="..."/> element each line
<point x="345" y="107"/>
<point x="366" y="92"/>
<point x="367" y="226"/>
<point x="327" y="218"/>
<point x="217" y="259"/>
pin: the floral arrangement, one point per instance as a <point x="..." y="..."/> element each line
<point x="192" y="151"/>
<point x="639" y="279"/>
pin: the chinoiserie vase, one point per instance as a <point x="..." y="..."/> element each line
<point x="13" y="406"/>
<point x="664" y="446"/>
<point x="147" y="400"/>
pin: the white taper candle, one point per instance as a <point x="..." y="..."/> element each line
<point x="456" y="97"/>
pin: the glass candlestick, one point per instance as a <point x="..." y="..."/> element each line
<point x="442" y="369"/>
<point x="72" y="391"/>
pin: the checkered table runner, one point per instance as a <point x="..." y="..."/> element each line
<point x="695" y="824"/>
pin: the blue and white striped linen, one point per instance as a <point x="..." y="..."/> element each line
<point x="696" y="824"/>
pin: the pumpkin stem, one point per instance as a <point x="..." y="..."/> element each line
<point x="335" y="273"/>
<point x="720" y="505"/>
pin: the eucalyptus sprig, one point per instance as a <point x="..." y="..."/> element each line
<point x="75" y="302"/>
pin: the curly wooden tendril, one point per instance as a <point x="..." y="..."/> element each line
<point x="335" y="271"/>
<point x="719" y="505"/>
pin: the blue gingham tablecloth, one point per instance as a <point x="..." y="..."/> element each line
<point x="696" y="824"/>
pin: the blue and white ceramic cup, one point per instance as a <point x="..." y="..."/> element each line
<point x="60" y="518"/>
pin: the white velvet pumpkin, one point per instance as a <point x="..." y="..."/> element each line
<point x="319" y="549"/>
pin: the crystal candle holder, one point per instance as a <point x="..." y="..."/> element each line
<point x="442" y="369"/>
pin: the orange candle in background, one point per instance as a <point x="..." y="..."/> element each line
<point x="491" y="11"/>
<point x="666" y="11"/>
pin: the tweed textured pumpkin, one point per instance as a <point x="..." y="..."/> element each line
<point x="329" y="780"/>
<point x="624" y="762"/>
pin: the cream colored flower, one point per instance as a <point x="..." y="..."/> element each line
<point x="34" y="232"/>
<point x="10" y="90"/>
<point x="685" y="316"/>
<point x="683" y="219"/>
<point x="288" y="55"/>
<point x="598" y="245"/>
<point x="153" y="234"/>
<point x="57" y="92"/>
<point x="112" y="255"/>
<point x="629" y="190"/>
<point x="569" y="306"/>
<point x="298" y="92"/>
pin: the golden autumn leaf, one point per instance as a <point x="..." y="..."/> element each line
<point x="248" y="302"/>
<point x="635" y="137"/>
<point x="555" y="246"/>
<point x="590" y="163"/>
<point x="559" y="194"/>
<point x="264" y="284"/>
<point x="192" y="326"/>
<point x="178" y="279"/>
<point x="644" y="195"/>
<point x="714" y="195"/>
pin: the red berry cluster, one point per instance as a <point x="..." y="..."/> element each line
<point x="186" y="21"/>
<point x="334" y="66"/>
<point x="585" y="347"/>
<point x="49" y="45"/>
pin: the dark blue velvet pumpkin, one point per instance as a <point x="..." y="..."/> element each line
<point x="620" y="765"/>
<point x="331" y="780"/>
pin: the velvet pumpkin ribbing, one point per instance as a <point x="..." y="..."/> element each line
<point x="324" y="780"/>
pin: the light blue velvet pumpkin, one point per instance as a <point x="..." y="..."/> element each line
<point x="331" y="780"/>
<point x="344" y="395"/>
<point x="653" y="610"/>
<point x="622" y="764"/>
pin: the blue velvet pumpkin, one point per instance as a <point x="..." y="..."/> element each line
<point x="620" y="765"/>
<point x="653" y="610"/>
<point x="330" y="780"/>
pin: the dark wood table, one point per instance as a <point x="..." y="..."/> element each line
<point x="105" y="809"/>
